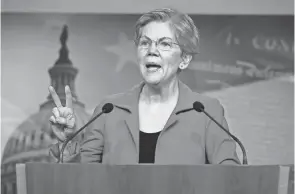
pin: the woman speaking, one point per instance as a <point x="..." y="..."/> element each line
<point x="143" y="127"/>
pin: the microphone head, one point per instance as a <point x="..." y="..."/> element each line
<point x="107" y="108"/>
<point x="198" y="106"/>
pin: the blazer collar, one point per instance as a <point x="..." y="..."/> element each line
<point x="129" y="103"/>
<point x="129" y="100"/>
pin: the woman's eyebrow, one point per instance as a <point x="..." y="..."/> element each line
<point x="162" y="38"/>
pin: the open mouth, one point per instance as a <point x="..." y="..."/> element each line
<point x="152" y="66"/>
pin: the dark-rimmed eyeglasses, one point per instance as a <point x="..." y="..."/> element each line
<point x="164" y="44"/>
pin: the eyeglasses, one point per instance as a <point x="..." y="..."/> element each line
<point x="164" y="44"/>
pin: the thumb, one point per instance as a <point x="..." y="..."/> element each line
<point x="59" y="134"/>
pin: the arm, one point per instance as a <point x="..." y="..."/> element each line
<point x="71" y="152"/>
<point x="220" y="147"/>
<point x="90" y="150"/>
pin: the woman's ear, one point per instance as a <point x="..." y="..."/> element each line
<point x="186" y="59"/>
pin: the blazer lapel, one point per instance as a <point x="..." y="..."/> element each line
<point x="132" y="122"/>
<point x="129" y="102"/>
<point x="185" y="101"/>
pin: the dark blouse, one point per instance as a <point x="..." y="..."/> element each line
<point x="147" y="146"/>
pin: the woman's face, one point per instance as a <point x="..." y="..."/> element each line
<point x="158" y="64"/>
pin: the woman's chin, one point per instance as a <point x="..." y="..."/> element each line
<point x="152" y="81"/>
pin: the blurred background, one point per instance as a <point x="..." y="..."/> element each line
<point x="246" y="61"/>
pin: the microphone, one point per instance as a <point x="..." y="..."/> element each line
<point x="185" y="110"/>
<point x="199" y="107"/>
<point x="107" y="108"/>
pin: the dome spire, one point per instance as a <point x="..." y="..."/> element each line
<point x="63" y="52"/>
<point x="63" y="73"/>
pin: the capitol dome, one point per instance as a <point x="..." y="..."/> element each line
<point x="31" y="139"/>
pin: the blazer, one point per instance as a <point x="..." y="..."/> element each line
<point x="188" y="138"/>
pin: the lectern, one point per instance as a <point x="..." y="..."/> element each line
<point x="49" y="178"/>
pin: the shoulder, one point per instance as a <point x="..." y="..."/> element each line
<point x="188" y="97"/>
<point x="208" y="100"/>
<point x="211" y="104"/>
<point x="124" y="99"/>
<point x="113" y="99"/>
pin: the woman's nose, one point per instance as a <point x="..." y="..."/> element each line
<point x="153" y="48"/>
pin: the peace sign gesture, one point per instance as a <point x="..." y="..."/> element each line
<point x="63" y="119"/>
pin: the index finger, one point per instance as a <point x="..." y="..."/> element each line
<point x="68" y="97"/>
<point x="55" y="97"/>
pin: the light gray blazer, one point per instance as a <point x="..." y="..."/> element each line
<point x="187" y="138"/>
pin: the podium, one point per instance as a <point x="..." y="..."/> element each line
<point x="73" y="178"/>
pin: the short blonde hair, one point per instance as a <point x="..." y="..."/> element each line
<point x="186" y="33"/>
